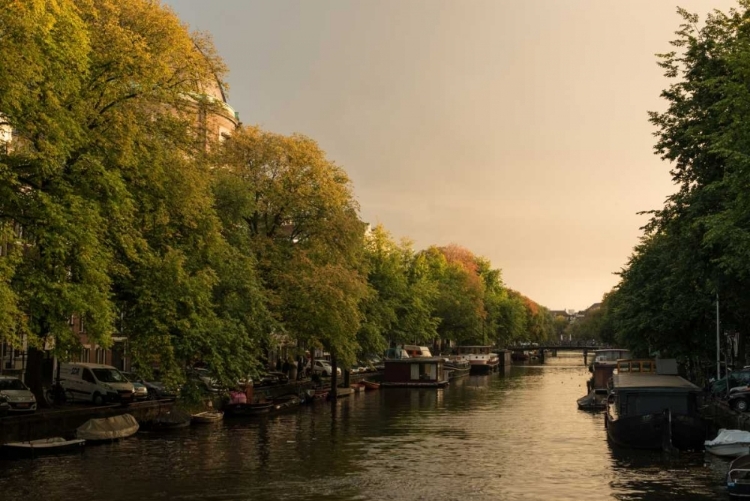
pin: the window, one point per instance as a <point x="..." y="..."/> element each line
<point x="85" y="355"/>
<point x="87" y="376"/>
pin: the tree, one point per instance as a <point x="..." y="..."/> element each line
<point x="696" y="245"/>
<point x="283" y="202"/>
<point x="107" y="186"/>
<point x="459" y="303"/>
<point x="400" y="307"/>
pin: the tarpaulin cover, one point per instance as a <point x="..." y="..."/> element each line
<point x="730" y="437"/>
<point x="109" y="428"/>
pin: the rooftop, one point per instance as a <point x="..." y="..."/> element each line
<point x="651" y="382"/>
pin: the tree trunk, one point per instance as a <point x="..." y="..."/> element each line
<point x="334" y="379"/>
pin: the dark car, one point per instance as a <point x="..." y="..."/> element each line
<point x="205" y="379"/>
<point x="740" y="399"/>
<point x="155" y="388"/>
<point x="740" y="377"/>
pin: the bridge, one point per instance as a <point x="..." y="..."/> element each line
<point x="540" y="349"/>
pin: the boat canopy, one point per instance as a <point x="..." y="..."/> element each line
<point x="730" y="437"/>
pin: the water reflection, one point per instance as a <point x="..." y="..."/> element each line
<point x="513" y="436"/>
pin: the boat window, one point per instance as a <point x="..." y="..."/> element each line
<point x="655" y="403"/>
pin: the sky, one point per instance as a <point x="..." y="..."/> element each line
<point x="515" y="128"/>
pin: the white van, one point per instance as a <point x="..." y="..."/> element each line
<point x="95" y="383"/>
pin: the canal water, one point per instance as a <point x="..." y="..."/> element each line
<point x="513" y="436"/>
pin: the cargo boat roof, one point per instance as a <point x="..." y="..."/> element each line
<point x="650" y="381"/>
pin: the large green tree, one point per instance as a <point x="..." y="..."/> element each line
<point x="106" y="189"/>
<point x="696" y="246"/>
<point x="283" y="202"/>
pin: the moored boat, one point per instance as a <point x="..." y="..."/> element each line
<point x="238" y="410"/>
<point x="370" y="385"/>
<point x="286" y="401"/>
<point x="481" y="359"/>
<point x="729" y="443"/>
<point x="456" y="368"/>
<point x="42" y="447"/>
<point x="738" y="477"/>
<point x="172" y="420"/>
<point x="604" y="364"/>
<point x="422" y="372"/>
<point x="108" y="429"/>
<point x="653" y="411"/>
<point x="207" y="417"/>
<point x="596" y="400"/>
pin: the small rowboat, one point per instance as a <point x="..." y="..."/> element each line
<point x="207" y="417"/>
<point x="172" y="420"/>
<point x="236" y="410"/>
<point x="286" y="402"/>
<point x="370" y="385"/>
<point x="729" y="443"/>
<point x="44" y="446"/>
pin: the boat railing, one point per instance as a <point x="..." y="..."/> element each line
<point x="739" y="475"/>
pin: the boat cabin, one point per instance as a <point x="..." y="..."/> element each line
<point x="474" y="350"/>
<point x="396" y="353"/>
<point x="649" y="410"/>
<point x="419" y="371"/>
<point x="638" y="394"/>
<point x="610" y="355"/>
<point x="417" y="351"/>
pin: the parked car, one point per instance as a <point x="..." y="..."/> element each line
<point x="740" y="377"/>
<point x="4" y="406"/>
<point x="740" y="399"/>
<point x="207" y="380"/>
<point x="324" y="368"/>
<point x="17" y="395"/>
<point x="358" y="368"/>
<point x="141" y="391"/>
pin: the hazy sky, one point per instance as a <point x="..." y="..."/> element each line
<point x="515" y="128"/>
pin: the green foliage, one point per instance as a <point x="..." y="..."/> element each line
<point x="400" y="307"/>
<point x="105" y="179"/>
<point x="697" y="245"/>
<point x="117" y="209"/>
<point x="283" y="202"/>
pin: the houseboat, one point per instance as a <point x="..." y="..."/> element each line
<point x="455" y="368"/>
<point x="647" y="409"/>
<point x="481" y="358"/>
<point x="604" y="364"/>
<point x="608" y="357"/>
<point x="414" y="372"/>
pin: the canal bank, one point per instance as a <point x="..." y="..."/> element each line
<point x="64" y="421"/>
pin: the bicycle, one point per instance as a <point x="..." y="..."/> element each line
<point x="57" y="396"/>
